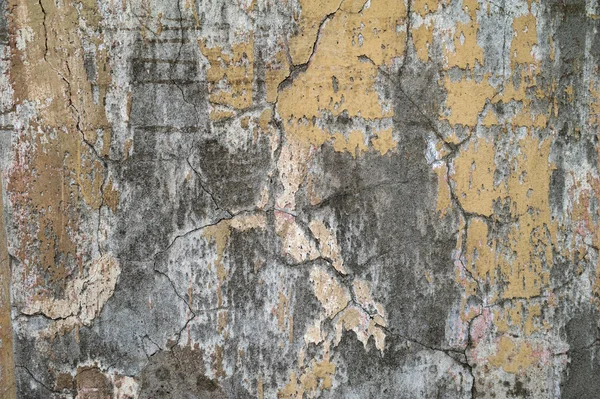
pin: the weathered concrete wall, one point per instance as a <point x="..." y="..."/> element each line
<point x="300" y="198"/>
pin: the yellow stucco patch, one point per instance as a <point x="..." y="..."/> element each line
<point x="338" y="80"/>
<point x="524" y="39"/>
<point x="317" y="375"/>
<point x="312" y="14"/>
<point x="466" y="100"/>
<point x="443" y="196"/>
<point x="521" y="256"/>
<point x="423" y="39"/>
<point x="424" y="7"/>
<point x="384" y="142"/>
<point x="230" y="76"/>
<point x="467" y="52"/>
<point x="474" y="177"/>
<point x="512" y="355"/>
<point x="277" y="70"/>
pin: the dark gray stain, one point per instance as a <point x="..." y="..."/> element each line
<point x="583" y="336"/>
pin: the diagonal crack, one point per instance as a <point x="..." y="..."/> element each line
<point x="202" y="227"/>
<point x="201" y="183"/>
<point x="397" y="82"/>
<point x="35" y="378"/>
<point x="189" y="319"/>
<point x="296" y="70"/>
<point x="45" y="30"/>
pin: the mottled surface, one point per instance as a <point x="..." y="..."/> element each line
<point x="300" y="199"/>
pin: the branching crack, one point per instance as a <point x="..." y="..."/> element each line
<point x="189" y="319"/>
<point x="447" y="351"/>
<point x="430" y="124"/>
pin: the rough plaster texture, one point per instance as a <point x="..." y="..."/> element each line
<point x="300" y="199"/>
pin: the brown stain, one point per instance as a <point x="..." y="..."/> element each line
<point x="56" y="174"/>
<point x="111" y="195"/>
<point x="92" y="383"/>
<point x="64" y="381"/>
<point x="7" y="370"/>
<point x="260" y="392"/>
<point x="282" y="310"/>
<point x="217" y="362"/>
